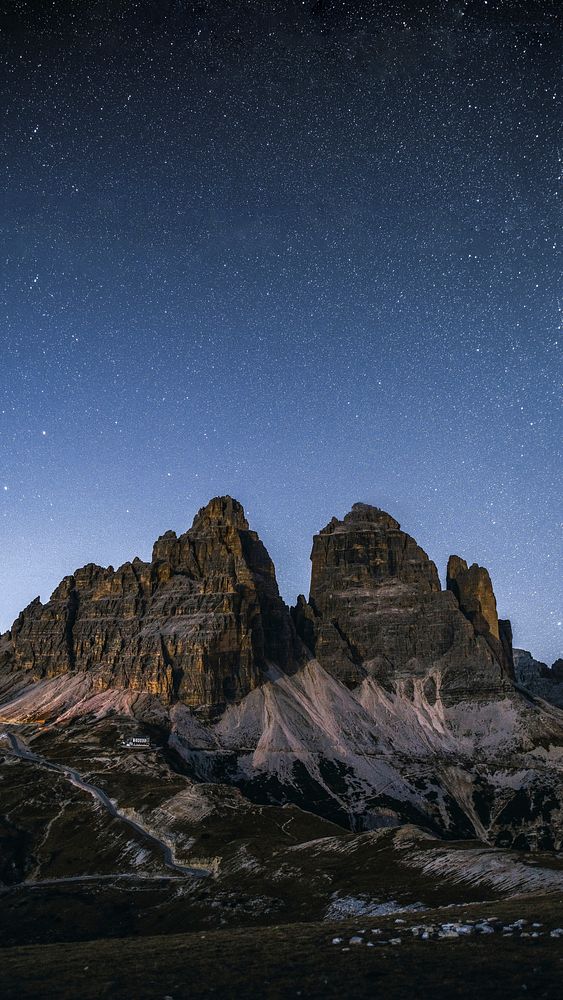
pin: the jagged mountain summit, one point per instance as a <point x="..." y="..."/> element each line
<point x="198" y="624"/>
<point x="381" y="700"/>
<point x="376" y="608"/>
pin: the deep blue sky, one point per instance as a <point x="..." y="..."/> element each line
<point x="304" y="257"/>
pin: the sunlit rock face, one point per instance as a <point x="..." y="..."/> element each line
<point x="199" y="623"/>
<point x="376" y="609"/>
<point x="474" y="592"/>
<point x="473" y="588"/>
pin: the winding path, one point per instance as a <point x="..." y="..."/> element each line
<point x="20" y="750"/>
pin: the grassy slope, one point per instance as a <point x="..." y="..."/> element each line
<point x="300" y="960"/>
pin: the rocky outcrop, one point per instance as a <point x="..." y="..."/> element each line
<point x="537" y="678"/>
<point x="203" y="620"/>
<point x="474" y="591"/>
<point x="475" y="595"/>
<point x="200" y="623"/>
<point x="376" y="609"/>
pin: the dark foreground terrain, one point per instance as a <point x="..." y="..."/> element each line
<point x="478" y="950"/>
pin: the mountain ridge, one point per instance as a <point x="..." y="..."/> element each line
<point x="379" y="700"/>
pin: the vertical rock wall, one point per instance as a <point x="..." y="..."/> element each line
<point x="200" y="623"/>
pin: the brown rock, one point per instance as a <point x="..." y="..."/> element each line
<point x="376" y="607"/>
<point x="474" y="591"/>
<point x="200" y="623"/>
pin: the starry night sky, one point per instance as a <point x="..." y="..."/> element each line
<point x="300" y="253"/>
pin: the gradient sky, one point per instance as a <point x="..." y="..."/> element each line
<point x="300" y="253"/>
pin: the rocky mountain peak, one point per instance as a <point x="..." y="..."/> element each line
<point x="474" y="593"/>
<point x="405" y="712"/>
<point x="361" y="516"/>
<point x="201" y="623"/>
<point x="473" y="588"/>
<point x="376" y="608"/>
<point x="221" y="510"/>
<point x="374" y="515"/>
<point x="365" y="548"/>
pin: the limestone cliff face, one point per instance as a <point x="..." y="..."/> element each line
<point x="200" y="623"/>
<point x="474" y="592"/>
<point x="376" y="608"/>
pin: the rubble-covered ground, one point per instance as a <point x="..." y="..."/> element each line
<point x="142" y="847"/>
